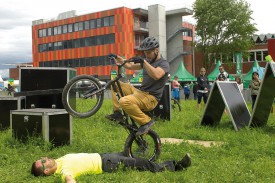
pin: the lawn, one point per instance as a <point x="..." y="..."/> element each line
<point x="244" y="156"/>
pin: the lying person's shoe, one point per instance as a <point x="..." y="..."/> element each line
<point x="184" y="163"/>
<point x="145" y="128"/>
<point x="116" y="116"/>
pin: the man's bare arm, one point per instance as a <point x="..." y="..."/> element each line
<point x="155" y="73"/>
<point x="69" y="179"/>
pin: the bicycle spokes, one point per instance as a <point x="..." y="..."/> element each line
<point x="82" y="96"/>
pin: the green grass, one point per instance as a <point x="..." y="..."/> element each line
<point x="245" y="156"/>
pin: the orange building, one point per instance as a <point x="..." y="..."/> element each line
<point x="83" y="42"/>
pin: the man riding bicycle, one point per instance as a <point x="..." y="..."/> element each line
<point x="136" y="101"/>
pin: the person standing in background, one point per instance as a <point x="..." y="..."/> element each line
<point x="222" y="76"/>
<point x="176" y="88"/>
<point x="239" y="83"/>
<point x="203" y="87"/>
<point x="254" y="86"/>
<point x="186" y="90"/>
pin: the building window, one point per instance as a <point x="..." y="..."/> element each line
<point x="70" y="44"/>
<point x="99" y="40"/>
<point x="75" y="63"/>
<point x="82" y="42"/>
<point x="136" y="39"/>
<point x="40" y="33"/>
<point x="82" y="62"/>
<point x="101" y="61"/>
<point x="94" y="61"/>
<point x="55" y="63"/>
<point x="44" y="32"/>
<point x="76" y="27"/>
<point x="50" y="47"/>
<point x="92" y="24"/>
<point x="245" y="57"/>
<point x="252" y="56"/>
<point x="80" y="26"/>
<point x="59" y="29"/>
<point x="76" y="43"/>
<point x="59" y="45"/>
<point x="98" y="22"/>
<point x="112" y="38"/>
<point x="65" y="29"/>
<point x="49" y="31"/>
<point x="265" y="53"/>
<point x="112" y="20"/>
<point x="55" y="46"/>
<point x="40" y="48"/>
<point x="70" y="27"/>
<point x="41" y="64"/>
<point x="55" y="31"/>
<point x="88" y="61"/>
<point x="106" y="21"/>
<point x="259" y="56"/>
<point x="87" y="25"/>
<point x="88" y="41"/>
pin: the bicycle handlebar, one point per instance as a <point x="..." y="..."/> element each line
<point x="135" y="60"/>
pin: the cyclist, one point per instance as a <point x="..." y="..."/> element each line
<point x="136" y="101"/>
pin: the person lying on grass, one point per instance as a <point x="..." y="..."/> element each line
<point x="72" y="165"/>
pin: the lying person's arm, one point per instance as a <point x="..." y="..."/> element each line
<point x="69" y="179"/>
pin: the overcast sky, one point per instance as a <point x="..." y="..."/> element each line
<point x="16" y="18"/>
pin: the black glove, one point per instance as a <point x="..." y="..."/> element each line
<point x="112" y="56"/>
<point x="137" y="60"/>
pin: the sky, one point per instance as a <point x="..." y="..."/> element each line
<point x="16" y="18"/>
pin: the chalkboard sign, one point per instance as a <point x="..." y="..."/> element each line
<point x="265" y="98"/>
<point x="226" y="94"/>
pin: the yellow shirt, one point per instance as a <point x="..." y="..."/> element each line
<point x="79" y="164"/>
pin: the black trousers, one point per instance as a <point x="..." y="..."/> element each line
<point x="253" y="97"/>
<point x="111" y="162"/>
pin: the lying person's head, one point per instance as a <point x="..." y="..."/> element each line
<point x="43" y="167"/>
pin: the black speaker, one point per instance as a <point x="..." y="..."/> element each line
<point x="7" y="104"/>
<point x="42" y="80"/>
<point x="163" y="109"/>
<point x="33" y="78"/>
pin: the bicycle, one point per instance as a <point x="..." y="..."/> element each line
<point x="83" y="96"/>
<point x="175" y="105"/>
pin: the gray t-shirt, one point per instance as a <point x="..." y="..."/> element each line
<point x="155" y="87"/>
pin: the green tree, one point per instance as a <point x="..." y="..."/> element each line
<point x="223" y="26"/>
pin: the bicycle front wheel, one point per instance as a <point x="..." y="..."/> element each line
<point x="146" y="146"/>
<point x="82" y="96"/>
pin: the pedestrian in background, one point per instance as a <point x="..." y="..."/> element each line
<point x="203" y="87"/>
<point x="176" y="88"/>
<point x="186" y="90"/>
<point x="254" y="86"/>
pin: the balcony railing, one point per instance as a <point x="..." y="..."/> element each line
<point x="141" y="26"/>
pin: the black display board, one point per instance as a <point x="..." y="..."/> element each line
<point x="265" y="98"/>
<point x="43" y="86"/>
<point x="226" y="94"/>
<point x="32" y="79"/>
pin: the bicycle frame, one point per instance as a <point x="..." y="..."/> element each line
<point x="115" y="82"/>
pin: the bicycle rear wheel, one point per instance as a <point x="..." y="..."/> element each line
<point x="175" y="105"/>
<point x="146" y="146"/>
<point x="82" y="96"/>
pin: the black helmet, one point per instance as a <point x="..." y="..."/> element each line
<point x="149" y="43"/>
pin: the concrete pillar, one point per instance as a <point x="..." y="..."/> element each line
<point x="157" y="26"/>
